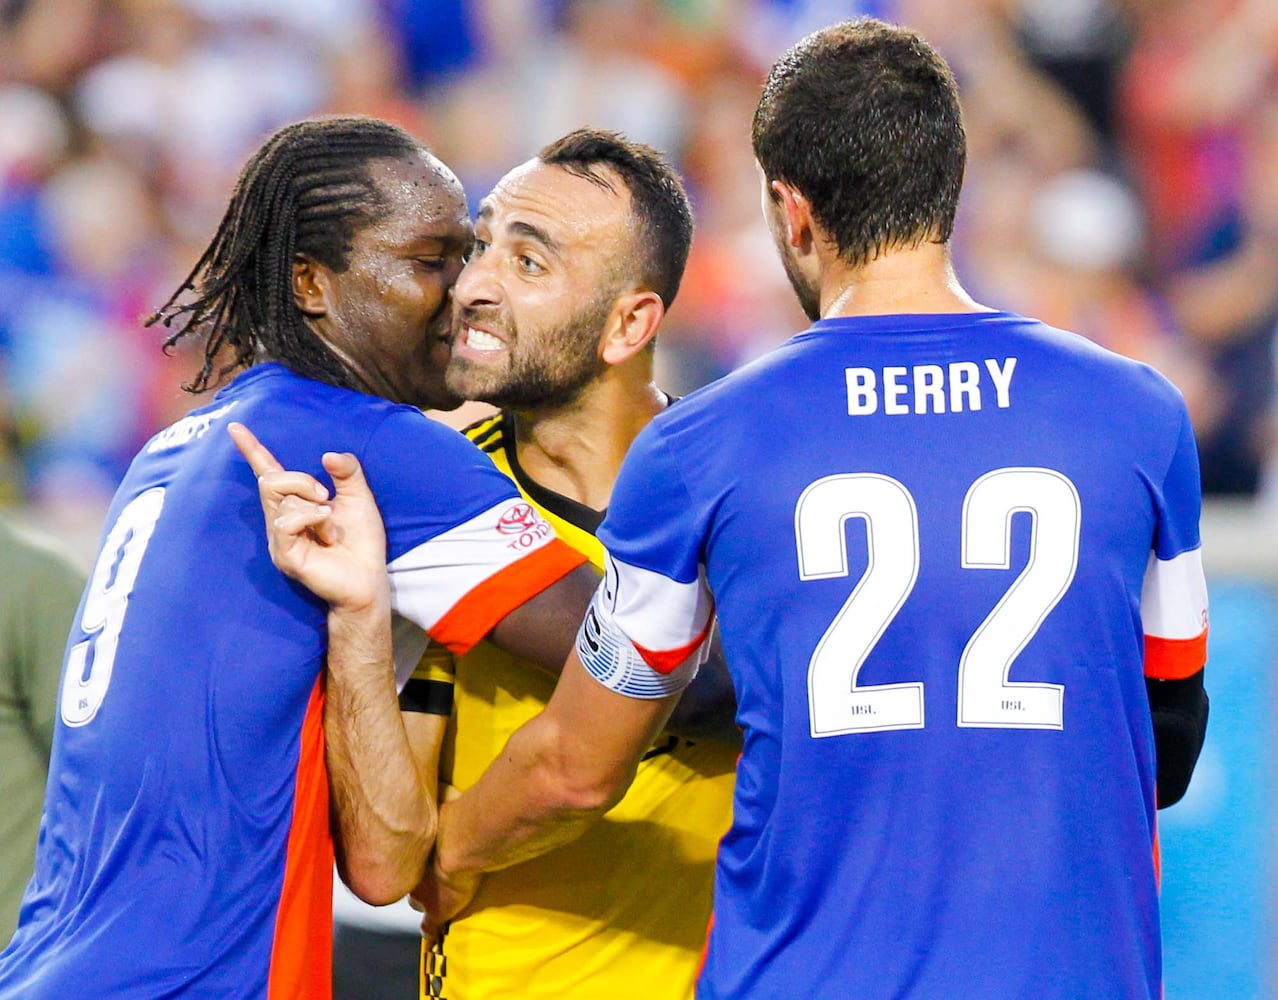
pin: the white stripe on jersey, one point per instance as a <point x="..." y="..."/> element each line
<point x="1173" y="601"/>
<point x="427" y="581"/>
<point x="657" y="614"/>
<point x="611" y="658"/>
<point x="408" y="643"/>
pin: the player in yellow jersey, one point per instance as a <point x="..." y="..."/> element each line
<point x="578" y="254"/>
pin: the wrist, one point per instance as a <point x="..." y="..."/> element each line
<point x="448" y="863"/>
<point x="369" y="602"/>
<point x="362" y="629"/>
<point x="456" y="881"/>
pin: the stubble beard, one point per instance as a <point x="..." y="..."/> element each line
<point x="546" y="369"/>
<point x="808" y="294"/>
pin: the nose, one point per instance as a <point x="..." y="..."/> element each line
<point x="455" y="267"/>
<point x="451" y="274"/>
<point x="477" y="284"/>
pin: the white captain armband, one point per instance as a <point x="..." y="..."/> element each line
<point x="613" y="660"/>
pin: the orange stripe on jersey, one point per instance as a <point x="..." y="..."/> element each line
<point x="302" y="952"/>
<point x="483" y="606"/>
<point x="664" y="661"/>
<point x="1175" y="659"/>
<point x="705" y="948"/>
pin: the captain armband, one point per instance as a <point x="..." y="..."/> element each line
<point x="612" y="659"/>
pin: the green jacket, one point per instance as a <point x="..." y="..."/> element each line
<point x="39" y="593"/>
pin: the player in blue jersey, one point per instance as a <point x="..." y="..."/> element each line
<point x="954" y="556"/>
<point x="185" y="848"/>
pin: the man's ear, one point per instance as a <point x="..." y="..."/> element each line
<point x="310" y="286"/>
<point x="797" y="214"/>
<point x="631" y="326"/>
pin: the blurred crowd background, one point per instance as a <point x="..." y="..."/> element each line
<point x="1123" y="179"/>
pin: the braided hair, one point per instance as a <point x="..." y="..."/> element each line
<point x="306" y="190"/>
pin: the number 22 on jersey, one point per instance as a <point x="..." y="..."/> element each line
<point x="105" y="605"/>
<point x="986" y="698"/>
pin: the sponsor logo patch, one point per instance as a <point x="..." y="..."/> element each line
<point x="516" y="519"/>
<point x="522" y="521"/>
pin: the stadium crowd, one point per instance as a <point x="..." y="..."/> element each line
<point x="1122" y="179"/>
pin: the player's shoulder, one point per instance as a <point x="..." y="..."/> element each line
<point x="370" y="426"/>
<point x="299" y="406"/>
<point x="709" y="414"/>
<point x="1100" y="370"/>
<point x="403" y="451"/>
<point x="488" y="433"/>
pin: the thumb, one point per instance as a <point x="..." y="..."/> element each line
<point x="347" y="473"/>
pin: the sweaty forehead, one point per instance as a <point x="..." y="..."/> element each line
<point x="569" y="208"/>
<point x="420" y="191"/>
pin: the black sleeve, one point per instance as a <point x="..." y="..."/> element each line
<point x="430" y="697"/>
<point x="708" y="708"/>
<point x="1179" y="710"/>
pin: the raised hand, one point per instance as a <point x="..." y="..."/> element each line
<point x="336" y="548"/>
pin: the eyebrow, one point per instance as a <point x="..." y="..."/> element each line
<point x="443" y="240"/>
<point x="525" y="229"/>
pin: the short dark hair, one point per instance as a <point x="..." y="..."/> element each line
<point x="863" y="118"/>
<point x="657" y="196"/>
<point x="306" y="190"/>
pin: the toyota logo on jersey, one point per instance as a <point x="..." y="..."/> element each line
<point x="516" y="519"/>
<point x="526" y="525"/>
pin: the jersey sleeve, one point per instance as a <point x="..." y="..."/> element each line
<point x="430" y="688"/>
<point x="1174" y="595"/>
<point x="654" y="592"/>
<point x="463" y="548"/>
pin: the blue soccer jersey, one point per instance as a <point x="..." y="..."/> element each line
<point x="185" y="847"/>
<point x="944" y="551"/>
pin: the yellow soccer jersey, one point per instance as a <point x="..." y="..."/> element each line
<point x="623" y="911"/>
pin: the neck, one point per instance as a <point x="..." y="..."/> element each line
<point x="921" y="280"/>
<point x="367" y="379"/>
<point x="576" y="450"/>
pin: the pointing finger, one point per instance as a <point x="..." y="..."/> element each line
<point x="259" y="458"/>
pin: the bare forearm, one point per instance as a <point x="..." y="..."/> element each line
<point x="522" y="807"/>
<point x="384" y="807"/>
<point x="381" y="764"/>
<point x="558" y="773"/>
<point x="542" y="629"/>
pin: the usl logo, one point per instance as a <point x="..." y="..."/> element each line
<point x="516" y="519"/>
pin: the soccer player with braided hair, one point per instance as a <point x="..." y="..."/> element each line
<point x="203" y="729"/>
<point x="300" y="198"/>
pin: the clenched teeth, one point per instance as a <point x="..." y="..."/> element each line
<point x="483" y="341"/>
